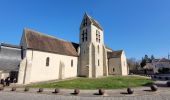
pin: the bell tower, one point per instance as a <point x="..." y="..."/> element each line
<point x="93" y="57"/>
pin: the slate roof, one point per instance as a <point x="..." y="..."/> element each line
<point x="10" y="57"/>
<point x="114" y="54"/>
<point x="39" y="41"/>
<point x="95" y="23"/>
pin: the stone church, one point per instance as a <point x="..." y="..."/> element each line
<point x="41" y="57"/>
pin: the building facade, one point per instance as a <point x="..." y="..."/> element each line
<point x="47" y="58"/>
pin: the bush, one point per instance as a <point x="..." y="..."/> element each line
<point x="13" y="89"/>
<point x="166" y="78"/>
<point x="164" y="70"/>
<point x="76" y="91"/>
<point x="40" y="90"/>
<point x="101" y="91"/>
<point x="26" y="89"/>
<point x="154" y="88"/>
<point x="130" y="91"/>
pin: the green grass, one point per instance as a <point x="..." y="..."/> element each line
<point x="114" y="82"/>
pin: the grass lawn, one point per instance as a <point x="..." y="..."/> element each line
<point x="111" y="82"/>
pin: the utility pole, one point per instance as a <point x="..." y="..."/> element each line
<point x="168" y="56"/>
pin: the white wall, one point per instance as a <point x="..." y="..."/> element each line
<point x="124" y="64"/>
<point x="38" y="71"/>
<point x="4" y="75"/>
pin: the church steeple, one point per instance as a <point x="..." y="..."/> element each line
<point x="91" y="48"/>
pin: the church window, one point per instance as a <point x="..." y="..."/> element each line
<point x="47" y="61"/>
<point x="71" y="63"/>
<point x="97" y="36"/>
<point x="113" y="69"/>
<point x="83" y="39"/>
<point x="85" y="22"/>
<point x="96" y="39"/>
<point x="98" y="62"/>
<point x="86" y="35"/>
<point x="83" y="36"/>
<point x="86" y="38"/>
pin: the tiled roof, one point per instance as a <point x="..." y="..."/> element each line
<point x="114" y="54"/>
<point x="38" y="41"/>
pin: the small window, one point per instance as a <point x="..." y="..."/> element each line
<point x="113" y="69"/>
<point x="71" y="63"/>
<point x="47" y="61"/>
<point x="98" y="62"/>
<point x="86" y="38"/>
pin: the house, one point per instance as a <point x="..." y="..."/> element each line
<point x="10" y="58"/>
<point x="46" y="58"/>
<point x="157" y="64"/>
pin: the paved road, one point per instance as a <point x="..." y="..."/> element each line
<point x="141" y="93"/>
<point x="35" y="96"/>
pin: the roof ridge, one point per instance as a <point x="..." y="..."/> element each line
<point x="92" y="19"/>
<point x="44" y="34"/>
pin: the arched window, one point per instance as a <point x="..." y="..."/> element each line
<point x="47" y="61"/>
<point x="85" y="22"/>
<point x="86" y="34"/>
<point x="113" y="69"/>
<point x="71" y="63"/>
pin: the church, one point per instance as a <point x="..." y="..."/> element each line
<point x="41" y="57"/>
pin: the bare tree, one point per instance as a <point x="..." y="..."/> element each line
<point x="133" y="64"/>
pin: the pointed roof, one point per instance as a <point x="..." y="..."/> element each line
<point x="93" y="21"/>
<point x="42" y="42"/>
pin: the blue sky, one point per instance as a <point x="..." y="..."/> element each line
<point x="138" y="26"/>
